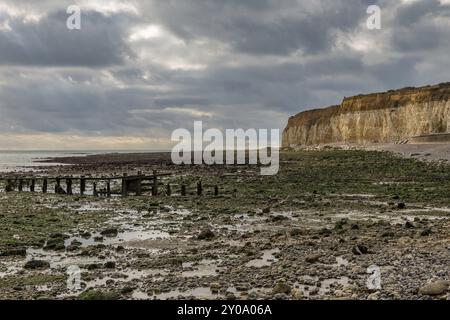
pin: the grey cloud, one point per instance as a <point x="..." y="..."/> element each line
<point x="48" y="42"/>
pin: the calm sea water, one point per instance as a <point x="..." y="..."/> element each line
<point x="25" y="160"/>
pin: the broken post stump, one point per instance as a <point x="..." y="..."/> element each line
<point x="183" y="190"/>
<point x="69" y="186"/>
<point x="32" y="185"/>
<point x="108" y="189"/>
<point x="20" y="185"/>
<point x="199" y="188"/>
<point x="82" y="186"/>
<point x="155" y="184"/>
<point x="169" y="190"/>
<point x="216" y="191"/>
<point x="124" y="186"/>
<point x="44" y="185"/>
<point x="94" y="190"/>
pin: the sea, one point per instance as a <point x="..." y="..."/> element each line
<point x="16" y="161"/>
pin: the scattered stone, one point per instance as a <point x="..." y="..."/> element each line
<point x="339" y="225"/>
<point x="98" y="295"/>
<point x="14" y="252"/>
<point x="360" y="249"/>
<point x="435" y="288"/>
<point x="313" y="258"/>
<point x="110" y="232"/>
<point x="355" y="227"/>
<point x="281" y="287"/>
<point x="215" y="287"/>
<point x="409" y="225"/>
<point x="37" y="265"/>
<point x="98" y="239"/>
<point x="297" y="294"/>
<point x="266" y="210"/>
<point x="110" y="265"/>
<point x="325" y="232"/>
<point x="127" y="290"/>
<point x="206" y="234"/>
<point x="374" y="296"/>
<point x="295" y="232"/>
<point x="85" y="234"/>
<point x="60" y="190"/>
<point x="401" y="205"/>
<point x="426" y="232"/>
<point x="55" y="244"/>
<point x="59" y="236"/>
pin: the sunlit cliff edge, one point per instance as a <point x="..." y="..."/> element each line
<point x="395" y="116"/>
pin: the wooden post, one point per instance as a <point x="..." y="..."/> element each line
<point x="82" y="186"/>
<point x="124" y="185"/>
<point x="155" y="184"/>
<point x="108" y="189"/>
<point x="20" y="185"/>
<point x="57" y="185"/>
<point x="169" y="190"/>
<point x="139" y="184"/>
<point x="69" y="186"/>
<point x="32" y="185"/>
<point x="216" y="191"/>
<point x="199" y="188"/>
<point x="183" y="190"/>
<point x="94" y="190"/>
<point x="44" y="185"/>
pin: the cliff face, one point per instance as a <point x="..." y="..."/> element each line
<point x="390" y="116"/>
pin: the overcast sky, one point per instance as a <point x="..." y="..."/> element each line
<point x="139" y="69"/>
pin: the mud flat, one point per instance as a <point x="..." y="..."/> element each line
<point x="310" y="232"/>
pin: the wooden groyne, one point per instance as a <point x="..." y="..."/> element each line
<point x="137" y="184"/>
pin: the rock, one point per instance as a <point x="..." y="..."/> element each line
<point x="374" y="296"/>
<point x="435" y="288"/>
<point x="266" y="210"/>
<point x="206" y="234"/>
<point x="92" y="294"/>
<point x="59" y="235"/>
<point x="426" y="232"/>
<point x="85" y="234"/>
<point x="339" y="225"/>
<point x="215" y="287"/>
<point x="297" y="294"/>
<point x="401" y="206"/>
<point x="325" y="232"/>
<point x="281" y="287"/>
<point x="360" y="249"/>
<point x="110" y="265"/>
<point x="295" y="232"/>
<point x="126" y="290"/>
<point x="37" y="265"/>
<point x="355" y="227"/>
<point x="409" y="225"/>
<point x="313" y="258"/>
<point x="9" y="187"/>
<point x="56" y="244"/>
<point x="60" y="190"/>
<point x="110" y="232"/>
<point x="22" y="252"/>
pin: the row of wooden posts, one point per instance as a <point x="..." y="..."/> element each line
<point x="136" y="184"/>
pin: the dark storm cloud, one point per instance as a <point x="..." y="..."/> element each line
<point x="234" y="63"/>
<point x="262" y="27"/>
<point x="48" y="42"/>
